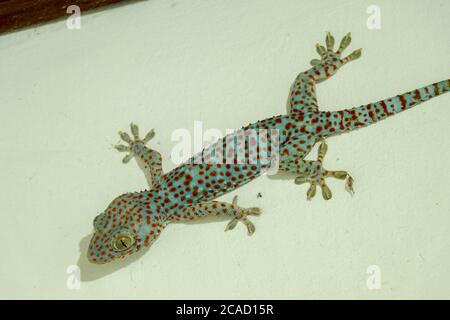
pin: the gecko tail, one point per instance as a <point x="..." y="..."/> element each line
<point x="362" y="116"/>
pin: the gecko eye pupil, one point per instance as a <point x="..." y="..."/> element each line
<point x="122" y="242"/>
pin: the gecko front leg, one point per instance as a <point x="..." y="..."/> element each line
<point x="240" y="214"/>
<point x="216" y="208"/>
<point x="149" y="160"/>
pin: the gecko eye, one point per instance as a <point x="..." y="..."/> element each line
<point x="122" y="242"/>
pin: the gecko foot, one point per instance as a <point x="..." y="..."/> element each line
<point x="317" y="175"/>
<point x="133" y="143"/>
<point x="240" y="214"/>
<point x="332" y="59"/>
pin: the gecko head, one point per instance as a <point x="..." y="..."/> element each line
<point x="122" y="229"/>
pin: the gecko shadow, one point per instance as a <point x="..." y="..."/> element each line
<point x="91" y="272"/>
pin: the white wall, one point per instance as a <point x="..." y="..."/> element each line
<point x="164" y="64"/>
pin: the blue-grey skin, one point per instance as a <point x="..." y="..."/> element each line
<point x="135" y="220"/>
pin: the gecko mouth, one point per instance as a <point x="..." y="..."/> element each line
<point x="97" y="261"/>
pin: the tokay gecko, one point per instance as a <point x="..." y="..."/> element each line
<point x="134" y="220"/>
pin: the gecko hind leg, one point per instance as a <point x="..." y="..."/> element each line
<point x="331" y="60"/>
<point x="314" y="173"/>
<point x="302" y="94"/>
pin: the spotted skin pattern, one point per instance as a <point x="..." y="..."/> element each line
<point x="135" y="220"/>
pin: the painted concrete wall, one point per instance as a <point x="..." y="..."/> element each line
<point x="165" y="64"/>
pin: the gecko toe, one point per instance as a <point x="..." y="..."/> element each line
<point x="329" y="40"/>
<point x="345" y="42"/>
<point x="349" y="185"/>
<point x="149" y="136"/>
<point x="125" y="137"/>
<point x="232" y="224"/>
<point x="122" y="148"/>
<point x="352" y="56"/>
<point x="326" y="192"/>
<point x="127" y="158"/>
<point x="250" y="226"/>
<point x="311" y="193"/>
<point x="315" y="62"/>
<point x="134" y="131"/>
